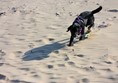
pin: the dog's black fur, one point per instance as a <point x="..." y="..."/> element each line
<point x="88" y="21"/>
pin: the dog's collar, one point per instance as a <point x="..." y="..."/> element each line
<point x="79" y="20"/>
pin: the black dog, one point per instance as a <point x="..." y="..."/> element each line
<point x="85" y="19"/>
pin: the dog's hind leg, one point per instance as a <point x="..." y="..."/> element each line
<point x="89" y="28"/>
<point x="82" y="34"/>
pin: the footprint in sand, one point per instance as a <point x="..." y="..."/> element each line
<point x="54" y="78"/>
<point x="18" y="53"/>
<point x="85" y="80"/>
<point x="25" y="69"/>
<point x="90" y="68"/>
<point x="15" y="54"/>
<point x="38" y="40"/>
<point x="51" y="39"/>
<point x="36" y="76"/>
<point x="66" y="58"/>
<point x="1" y="64"/>
<point x="19" y="81"/>
<point x="2" y="13"/>
<point x="52" y="82"/>
<point x="104" y="24"/>
<point x="2" y="77"/>
<point x="71" y="63"/>
<point x="80" y="55"/>
<point x="61" y="65"/>
<point x="112" y="77"/>
<point x="78" y="81"/>
<point x="31" y="45"/>
<point x="50" y="66"/>
<point x="113" y="10"/>
<point x="2" y="53"/>
<point x="107" y="69"/>
<point x="56" y="51"/>
<point x="14" y="9"/>
<point x="63" y="55"/>
<point x="108" y="62"/>
<point x="20" y="39"/>
<point x="47" y="39"/>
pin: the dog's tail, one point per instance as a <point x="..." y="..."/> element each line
<point x="96" y="10"/>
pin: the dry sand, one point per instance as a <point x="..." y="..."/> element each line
<point x="33" y="42"/>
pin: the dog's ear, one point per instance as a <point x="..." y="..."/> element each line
<point x="69" y="28"/>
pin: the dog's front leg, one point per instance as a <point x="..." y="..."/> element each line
<point x="71" y="41"/>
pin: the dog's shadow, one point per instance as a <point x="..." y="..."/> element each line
<point x="43" y="52"/>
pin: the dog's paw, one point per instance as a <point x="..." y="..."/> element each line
<point x="81" y="38"/>
<point x="70" y="44"/>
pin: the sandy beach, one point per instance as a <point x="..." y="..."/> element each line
<point x="33" y="42"/>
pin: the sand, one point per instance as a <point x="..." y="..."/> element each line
<point x="33" y="42"/>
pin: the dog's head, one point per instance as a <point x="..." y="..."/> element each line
<point x="77" y="27"/>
